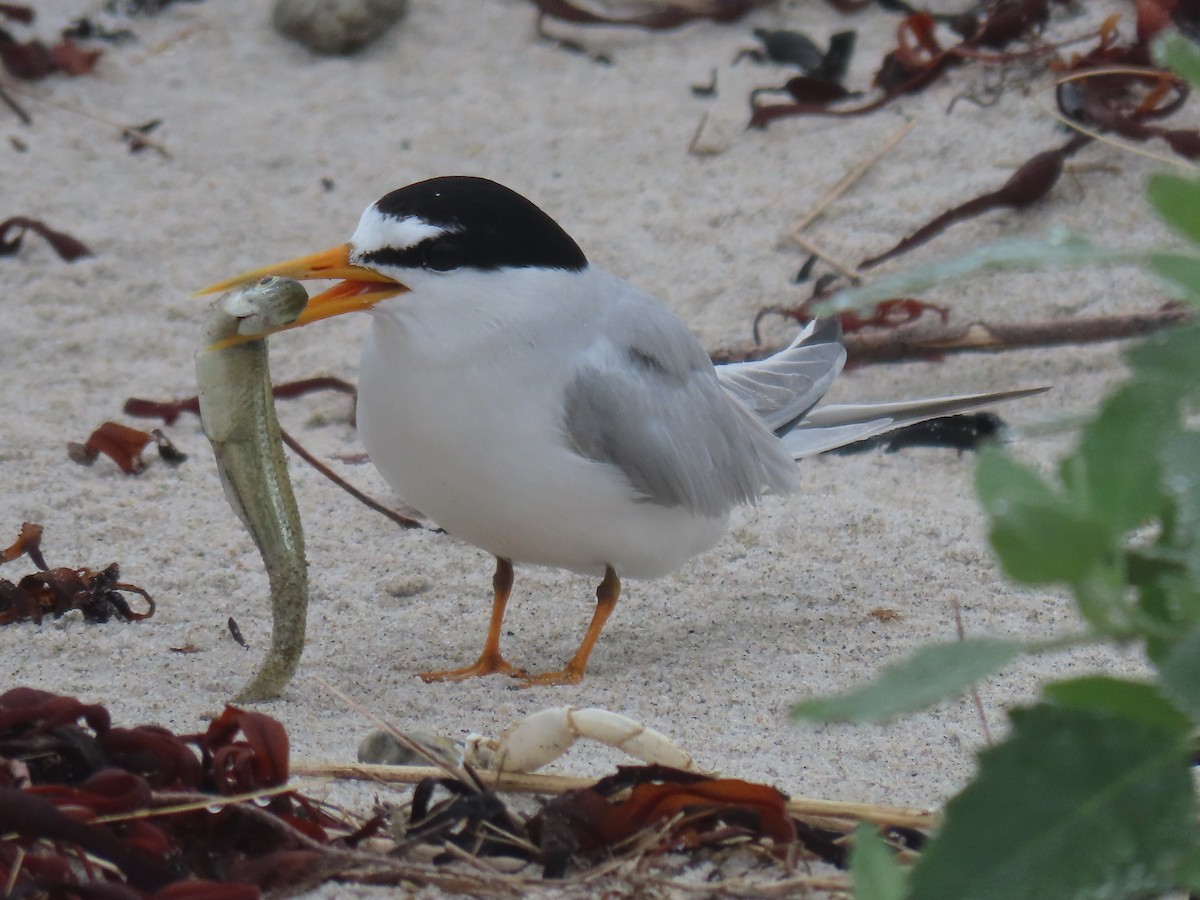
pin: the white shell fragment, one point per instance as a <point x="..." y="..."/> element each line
<point x="336" y="27"/>
<point x="543" y="737"/>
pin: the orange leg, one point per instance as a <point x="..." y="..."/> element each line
<point x="607" y="595"/>
<point x="490" y="661"/>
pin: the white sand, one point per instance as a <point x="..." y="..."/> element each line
<point x="712" y="655"/>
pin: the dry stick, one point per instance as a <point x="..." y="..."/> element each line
<point x="852" y="177"/>
<point x="524" y="782"/>
<point x="962" y="635"/>
<point x="844" y="184"/>
<point x="843" y="267"/>
<point x="920" y="341"/>
<point x="1125" y="146"/>
<point x="70" y="107"/>
<point x="16" y="107"/>
<point x="297" y="448"/>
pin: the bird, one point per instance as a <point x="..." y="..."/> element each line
<point x="553" y="414"/>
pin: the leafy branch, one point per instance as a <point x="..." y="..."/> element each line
<point x="1091" y="794"/>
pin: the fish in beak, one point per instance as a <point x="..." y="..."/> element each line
<point x="360" y="288"/>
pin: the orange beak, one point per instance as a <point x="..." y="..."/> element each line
<point x="359" y="290"/>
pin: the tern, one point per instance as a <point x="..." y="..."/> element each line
<point x="553" y="414"/>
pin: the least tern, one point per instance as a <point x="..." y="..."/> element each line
<point x="553" y="414"/>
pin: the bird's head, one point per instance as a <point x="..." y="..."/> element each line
<point x="413" y="237"/>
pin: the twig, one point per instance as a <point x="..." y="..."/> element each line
<point x="851" y="178"/>
<point x="962" y="634"/>
<point x="921" y="341"/>
<point x="298" y="449"/>
<point x="16" y="107"/>
<point x="528" y="783"/>
<point x="95" y="117"/>
<point x="694" y="148"/>
<point x="1113" y="142"/>
<point x="844" y="268"/>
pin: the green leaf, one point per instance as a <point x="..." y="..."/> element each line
<point x="1137" y="701"/>
<point x="1180" y="270"/>
<point x="1177" y="200"/>
<point x="1039" y="535"/>
<point x="1180" y="672"/>
<point x="1076" y="803"/>
<point x="873" y="867"/>
<point x="1180" y="457"/>
<point x="1180" y="55"/>
<point x="1122" y="478"/>
<point x="1189" y="873"/>
<point x="931" y="674"/>
<point x="1168" y="359"/>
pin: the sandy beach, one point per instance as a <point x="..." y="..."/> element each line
<point x="271" y="151"/>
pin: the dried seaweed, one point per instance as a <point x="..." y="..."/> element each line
<point x="124" y="446"/>
<point x="12" y="234"/>
<point x="33" y="60"/>
<point x="55" y="592"/>
<point x="1029" y="184"/>
<point x="919" y="58"/>
<point x="155" y="790"/>
<point x="16" y="12"/>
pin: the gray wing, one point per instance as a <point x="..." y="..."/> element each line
<point x="830" y="427"/>
<point x="649" y="402"/>
<point x="780" y="389"/>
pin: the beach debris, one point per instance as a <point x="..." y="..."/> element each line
<point x="33" y="60"/>
<point x="654" y="14"/>
<point x="529" y="744"/>
<point x="336" y="27"/>
<point x="544" y="736"/>
<point x="12" y="235"/>
<point x="84" y="29"/>
<point x="926" y="341"/>
<point x="795" y="48"/>
<point x="1029" y="184"/>
<point x="16" y="12"/>
<point x="237" y="411"/>
<point x="680" y="809"/>
<point x="141" y="7"/>
<point x="55" y="592"/>
<point x="135" y="136"/>
<point x="124" y="446"/>
<point x="235" y="632"/>
<point x="919" y="59"/>
<point x="204" y="815"/>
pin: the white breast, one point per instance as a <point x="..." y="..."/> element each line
<point x="461" y="409"/>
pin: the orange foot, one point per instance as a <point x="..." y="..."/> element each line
<point x="487" y="664"/>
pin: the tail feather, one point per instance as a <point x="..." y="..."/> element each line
<point x="782" y="391"/>
<point x="779" y="390"/>
<point x="829" y="427"/>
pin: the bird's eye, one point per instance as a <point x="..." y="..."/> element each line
<point x="443" y="254"/>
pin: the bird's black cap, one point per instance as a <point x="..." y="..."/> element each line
<point x="487" y="226"/>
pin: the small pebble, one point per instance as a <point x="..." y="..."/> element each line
<point x="381" y="748"/>
<point x="336" y="27"/>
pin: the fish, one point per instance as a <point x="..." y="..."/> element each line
<point x="237" y="410"/>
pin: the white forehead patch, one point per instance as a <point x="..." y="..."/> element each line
<point x="376" y="231"/>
